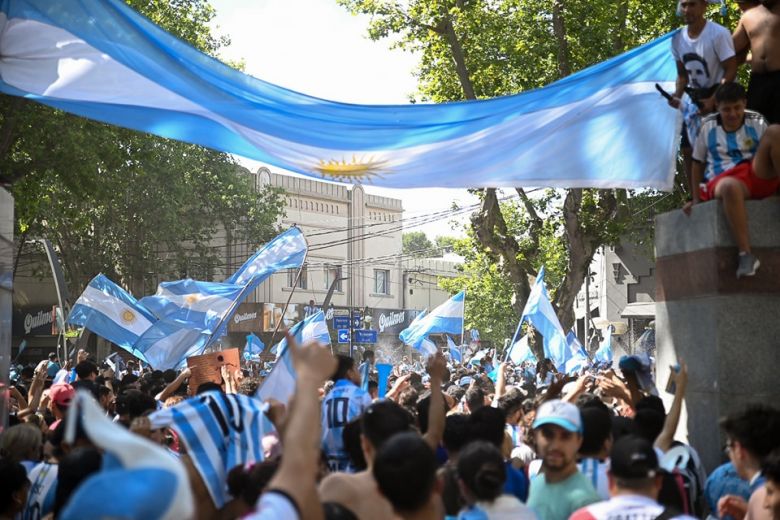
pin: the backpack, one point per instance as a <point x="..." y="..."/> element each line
<point x="683" y="480"/>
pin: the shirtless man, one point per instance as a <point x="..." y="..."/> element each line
<point x="759" y="32"/>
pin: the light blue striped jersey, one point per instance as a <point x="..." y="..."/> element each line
<point x="344" y="403"/>
<point x="720" y="150"/>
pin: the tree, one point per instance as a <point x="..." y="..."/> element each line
<point x="444" y="244"/>
<point x="416" y="243"/>
<point x="124" y="203"/>
<point x="484" y="48"/>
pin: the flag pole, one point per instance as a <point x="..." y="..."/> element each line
<point x="514" y="338"/>
<point x="287" y="303"/>
<point x="463" y="323"/>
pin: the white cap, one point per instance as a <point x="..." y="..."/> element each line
<point x="559" y="413"/>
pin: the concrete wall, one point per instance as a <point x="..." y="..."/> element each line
<point x="726" y="329"/>
<point x="423" y="291"/>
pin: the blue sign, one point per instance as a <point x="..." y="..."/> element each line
<point x="356" y="322"/>
<point x="340" y="322"/>
<point x="343" y="335"/>
<point x="365" y="336"/>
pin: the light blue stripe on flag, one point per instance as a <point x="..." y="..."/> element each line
<point x="604" y="353"/>
<point x="254" y="346"/>
<point x="605" y="126"/>
<point x="280" y="383"/>
<point x="455" y="353"/>
<point x="521" y="351"/>
<point x="112" y="313"/>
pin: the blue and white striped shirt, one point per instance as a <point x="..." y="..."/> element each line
<point x="720" y="150"/>
<point x="345" y="402"/>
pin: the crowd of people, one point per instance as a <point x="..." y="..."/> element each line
<point x="731" y="136"/>
<point x="481" y="440"/>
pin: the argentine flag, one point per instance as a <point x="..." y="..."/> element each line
<point x="280" y="383"/>
<point x="540" y="313"/>
<point x="455" y="354"/>
<point x="579" y="359"/>
<point x="521" y="351"/>
<point x="112" y="313"/>
<point x="446" y="318"/>
<point x="604" y="353"/>
<point x="193" y="304"/>
<point x="253" y="348"/>
<point x="604" y="127"/>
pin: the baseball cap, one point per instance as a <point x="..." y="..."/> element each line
<point x="465" y="381"/>
<point x="633" y="457"/>
<point x="559" y="413"/>
<point x="61" y="394"/>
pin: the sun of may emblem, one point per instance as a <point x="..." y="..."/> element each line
<point x="352" y="170"/>
<point x="191" y="299"/>
<point x="128" y="316"/>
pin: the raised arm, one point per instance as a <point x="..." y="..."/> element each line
<point x="173" y="385"/>
<point x="297" y="473"/>
<point x="436" y="414"/>
<point x="665" y="438"/>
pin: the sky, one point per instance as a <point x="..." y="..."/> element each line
<point x="318" y="48"/>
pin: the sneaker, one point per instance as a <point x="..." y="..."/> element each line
<point x="748" y="265"/>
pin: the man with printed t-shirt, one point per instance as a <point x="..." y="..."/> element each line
<point x="704" y="53"/>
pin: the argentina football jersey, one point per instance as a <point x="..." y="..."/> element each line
<point x="345" y="402"/>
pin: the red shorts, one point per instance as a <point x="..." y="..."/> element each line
<point x="758" y="188"/>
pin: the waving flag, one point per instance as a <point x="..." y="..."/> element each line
<point x="540" y="313"/>
<point x="220" y="432"/>
<point x="139" y="478"/>
<point x="193" y="304"/>
<point x="446" y="318"/>
<point x="520" y="351"/>
<point x="605" y="126"/>
<point x="280" y="383"/>
<point x="604" y="353"/>
<point x="455" y="354"/>
<point x="254" y="346"/>
<point x="579" y="359"/>
<point x="112" y="313"/>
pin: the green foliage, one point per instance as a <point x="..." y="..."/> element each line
<point x="417" y="243"/>
<point x="131" y="205"/>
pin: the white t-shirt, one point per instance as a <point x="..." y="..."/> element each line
<point x="274" y="505"/>
<point x="702" y="56"/>
<point x="635" y="507"/>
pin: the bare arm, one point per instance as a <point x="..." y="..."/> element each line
<point x="679" y="85"/>
<point x="297" y="473"/>
<point x="741" y="42"/>
<point x="665" y="438"/>
<point x="730" y="70"/>
<point x="501" y="380"/>
<point x="173" y="385"/>
<point x="436" y="412"/>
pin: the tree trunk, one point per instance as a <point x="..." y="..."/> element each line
<point x="559" y="30"/>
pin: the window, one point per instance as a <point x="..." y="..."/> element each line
<point x="333" y="272"/>
<point x="292" y="273"/>
<point x="381" y="281"/>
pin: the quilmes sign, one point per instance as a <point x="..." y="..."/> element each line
<point x="41" y="319"/>
<point x="248" y="318"/>
<point x="388" y="320"/>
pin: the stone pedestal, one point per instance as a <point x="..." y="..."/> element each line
<point x="726" y="330"/>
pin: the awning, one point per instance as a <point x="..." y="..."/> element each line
<point x="639" y="310"/>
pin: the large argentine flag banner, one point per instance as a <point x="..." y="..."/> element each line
<point x="540" y="313"/>
<point x="605" y="126"/>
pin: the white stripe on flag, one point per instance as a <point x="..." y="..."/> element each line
<point x="198" y="302"/>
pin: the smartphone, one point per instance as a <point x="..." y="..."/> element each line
<point x="671" y="386"/>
